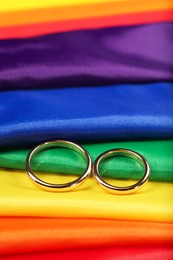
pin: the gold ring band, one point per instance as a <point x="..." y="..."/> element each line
<point x="121" y="152"/>
<point x="59" y="187"/>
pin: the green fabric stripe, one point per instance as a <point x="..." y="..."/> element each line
<point x="159" y="155"/>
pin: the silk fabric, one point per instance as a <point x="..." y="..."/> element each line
<point x="10" y="5"/>
<point x="90" y="57"/>
<point x="29" y="235"/>
<point x="125" y="253"/>
<point x="67" y="12"/>
<point x="62" y="160"/>
<point x="19" y="196"/>
<point x="87" y="113"/>
<point x="37" y="29"/>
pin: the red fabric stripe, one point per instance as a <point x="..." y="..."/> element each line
<point x="24" y="31"/>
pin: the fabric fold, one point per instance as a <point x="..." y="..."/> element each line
<point x="119" y="112"/>
<point x="64" y="12"/>
<point x="62" y="160"/>
<point x="41" y="235"/>
<point x="38" y="29"/>
<point x="20" y="197"/>
<point x="10" y="5"/>
<point x="90" y="57"/>
<point x="125" y="253"/>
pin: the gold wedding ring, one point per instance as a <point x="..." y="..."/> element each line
<point x="121" y="152"/>
<point x="77" y="148"/>
<point x="59" y="187"/>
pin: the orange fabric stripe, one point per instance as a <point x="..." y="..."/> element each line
<point x="63" y="13"/>
<point x="22" y="235"/>
<point x="24" y="31"/>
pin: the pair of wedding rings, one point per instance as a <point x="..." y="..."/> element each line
<point x="90" y="167"/>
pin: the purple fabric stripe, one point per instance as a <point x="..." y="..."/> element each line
<point x="93" y="57"/>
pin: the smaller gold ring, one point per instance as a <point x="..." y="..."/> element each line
<point x="121" y="152"/>
<point x="59" y="187"/>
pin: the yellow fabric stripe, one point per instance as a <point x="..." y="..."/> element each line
<point x="11" y="5"/>
<point x="20" y="197"/>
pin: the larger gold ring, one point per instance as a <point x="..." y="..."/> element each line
<point x="121" y="152"/>
<point x="59" y="187"/>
